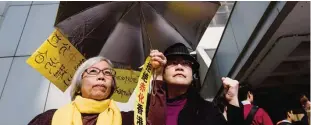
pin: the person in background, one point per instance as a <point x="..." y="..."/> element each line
<point x="289" y="117"/>
<point x="253" y="115"/>
<point x="92" y="86"/>
<point x="305" y="103"/>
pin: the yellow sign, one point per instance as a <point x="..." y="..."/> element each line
<point x="126" y="83"/>
<point x="142" y="94"/>
<point x="57" y="60"/>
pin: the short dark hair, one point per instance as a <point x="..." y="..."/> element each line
<point x="290" y="108"/>
<point x="243" y="91"/>
<point x="284" y="111"/>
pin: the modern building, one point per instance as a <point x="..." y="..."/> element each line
<point x="265" y="44"/>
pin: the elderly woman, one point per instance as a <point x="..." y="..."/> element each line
<point x="92" y="86"/>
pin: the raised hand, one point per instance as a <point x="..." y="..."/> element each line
<point x="231" y="88"/>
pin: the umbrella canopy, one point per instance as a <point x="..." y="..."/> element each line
<point x="124" y="32"/>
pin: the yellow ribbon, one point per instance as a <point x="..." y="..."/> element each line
<point x="141" y="91"/>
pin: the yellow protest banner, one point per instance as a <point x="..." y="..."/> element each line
<point x="126" y="83"/>
<point x="57" y="60"/>
<point x="141" y="91"/>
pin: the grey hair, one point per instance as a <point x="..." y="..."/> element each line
<point x="76" y="82"/>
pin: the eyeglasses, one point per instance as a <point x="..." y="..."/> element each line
<point x="181" y="62"/>
<point x="96" y="71"/>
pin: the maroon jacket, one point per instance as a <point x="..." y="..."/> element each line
<point x="261" y="117"/>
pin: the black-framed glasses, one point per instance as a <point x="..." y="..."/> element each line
<point x="181" y="62"/>
<point x="96" y="71"/>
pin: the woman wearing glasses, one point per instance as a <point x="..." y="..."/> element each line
<point x="92" y="86"/>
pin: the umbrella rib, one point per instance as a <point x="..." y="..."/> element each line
<point x="144" y="23"/>
<point x="81" y="11"/>
<point x="125" y="13"/>
<point x="128" y="10"/>
<point x="84" y="36"/>
<point x="117" y="21"/>
<point x="81" y="34"/>
<point x="170" y="23"/>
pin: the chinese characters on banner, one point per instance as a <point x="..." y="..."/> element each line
<point x="126" y="83"/>
<point x="141" y="91"/>
<point x="57" y="60"/>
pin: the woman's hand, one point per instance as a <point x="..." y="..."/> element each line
<point x="231" y="88"/>
<point x="158" y="57"/>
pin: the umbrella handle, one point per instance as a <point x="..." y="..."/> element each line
<point x="154" y="76"/>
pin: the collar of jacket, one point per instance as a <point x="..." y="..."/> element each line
<point x="246" y="102"/>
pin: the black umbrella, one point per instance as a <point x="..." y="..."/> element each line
<point x="124" y="32"/>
